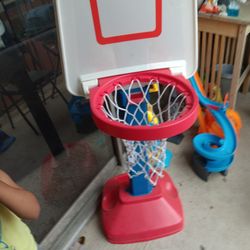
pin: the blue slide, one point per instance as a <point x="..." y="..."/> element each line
<point x="218" y="153"/>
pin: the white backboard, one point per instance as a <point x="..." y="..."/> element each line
<point x="101" y="38"/>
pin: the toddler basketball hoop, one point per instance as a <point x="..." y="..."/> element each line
<point x="129" y="58"/>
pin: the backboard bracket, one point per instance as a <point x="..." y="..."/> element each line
<point x="177" y="69"/>
<point x="87" y="85"/>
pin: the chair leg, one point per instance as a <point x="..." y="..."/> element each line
<point x="23" y="115"/>
<point x="7" y="112"/>
<point x="59" y="92"/>
<point x="54" y="80"/>
<point x="246" y="85"/>
<point x="53" y="93"/>
<point x="43" y="95"/>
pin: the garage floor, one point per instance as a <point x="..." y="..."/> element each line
<point x="217" y="213"/>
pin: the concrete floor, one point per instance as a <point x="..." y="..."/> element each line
<point x="216" y="212"/>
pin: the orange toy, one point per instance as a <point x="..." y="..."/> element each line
<point x="210" y="7"/>
<point x="207" y="123"/>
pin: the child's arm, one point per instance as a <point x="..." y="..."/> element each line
<point x="21" y="202"/>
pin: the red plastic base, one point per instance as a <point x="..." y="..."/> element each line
<point x="129" y="219"/>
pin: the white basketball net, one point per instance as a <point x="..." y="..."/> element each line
<point x="144" y="104"/>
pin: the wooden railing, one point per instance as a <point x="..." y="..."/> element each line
<point x="222" y="41"/>
<point x="217" y="46"/>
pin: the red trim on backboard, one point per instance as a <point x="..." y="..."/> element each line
<point x="126" y="37"/>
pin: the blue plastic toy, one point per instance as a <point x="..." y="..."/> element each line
<point x="213" y="153"/>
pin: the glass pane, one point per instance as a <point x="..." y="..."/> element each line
<point x="31" y="80"/>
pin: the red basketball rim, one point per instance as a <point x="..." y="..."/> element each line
<point x="163" y="130"/>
